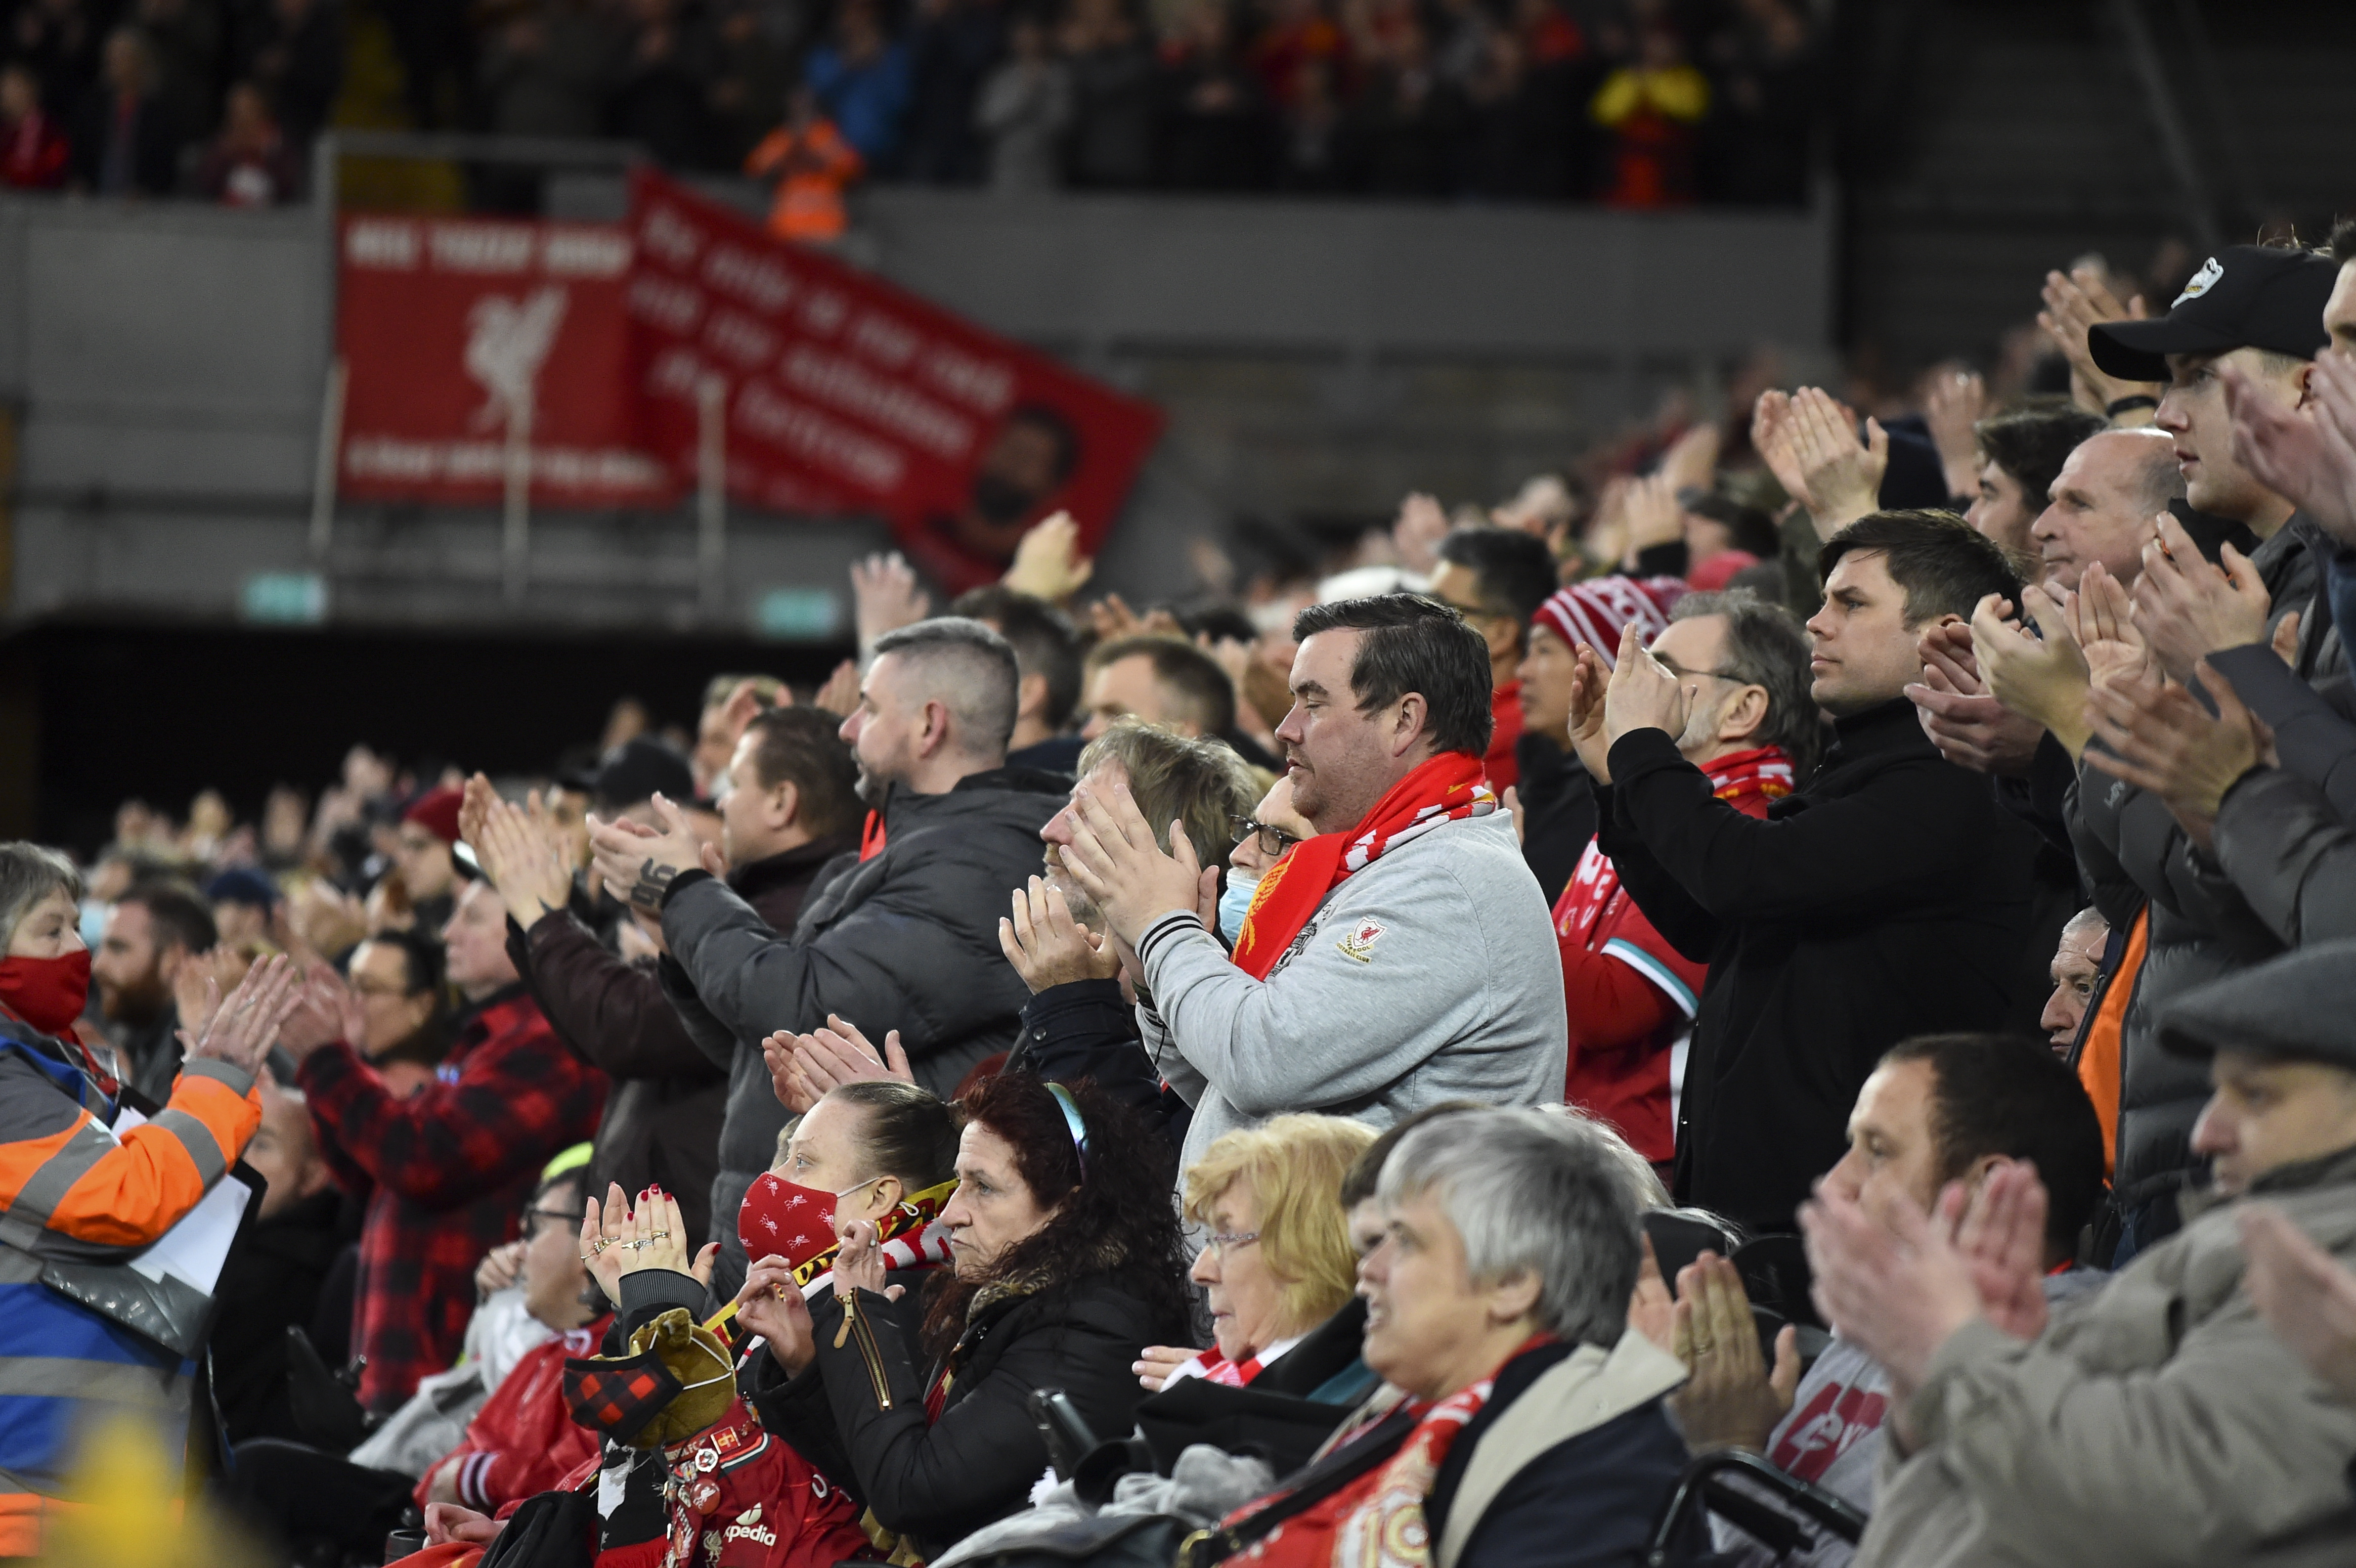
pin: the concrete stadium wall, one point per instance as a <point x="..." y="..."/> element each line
<point x="166" y="363"/>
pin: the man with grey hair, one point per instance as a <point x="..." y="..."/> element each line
<point x="1532" y="1428"/>
<point x="902" y="938"/>
<point x="1631" y="993"/>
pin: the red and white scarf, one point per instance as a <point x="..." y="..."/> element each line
<point x="1214" y="1368"/>
<point x="1377" y="1522"/>
<point x="1446" y="789"/>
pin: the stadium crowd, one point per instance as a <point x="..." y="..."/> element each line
<point x="1829" y="964"/>
<point x="1634" y="102"/>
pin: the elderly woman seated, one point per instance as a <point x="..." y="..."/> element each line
<point x="1277" y="1262"/>
<point x="1524" y="1421"/>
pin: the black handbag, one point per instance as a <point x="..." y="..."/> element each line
<point x="552" y="1530"/>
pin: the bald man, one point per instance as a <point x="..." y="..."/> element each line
<point x="905" y="938"/>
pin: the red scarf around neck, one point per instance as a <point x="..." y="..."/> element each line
<point x="1443" y="790"/>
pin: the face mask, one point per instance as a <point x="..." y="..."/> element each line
<point x="46" y="993"/>
<point x="1233" y="904"/>
<point x="779" y="1219"/>
<point x="94" y="923"/>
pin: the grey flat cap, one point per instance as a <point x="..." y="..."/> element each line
<point x="2301" y="1006"/>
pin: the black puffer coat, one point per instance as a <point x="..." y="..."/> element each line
<point x="858" y="1412"/>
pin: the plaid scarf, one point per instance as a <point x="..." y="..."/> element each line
<point x="1442" y="789"/>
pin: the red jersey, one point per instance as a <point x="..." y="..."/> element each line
<point x="1631" y="996"/>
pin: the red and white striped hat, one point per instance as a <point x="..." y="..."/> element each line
<point x="1593" y="612"/>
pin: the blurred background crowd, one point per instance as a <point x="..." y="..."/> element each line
<point x="1633" y="102"/>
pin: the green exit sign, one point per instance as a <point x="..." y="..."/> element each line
<point x="284" y="598"/>
<point x="799" y="614"/>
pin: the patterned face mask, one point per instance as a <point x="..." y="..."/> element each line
<point x="783" y="1219"/>
<point x="640" y="1400"/>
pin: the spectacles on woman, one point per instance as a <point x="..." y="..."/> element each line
<point x="1273" y="841"/>
<point x="1221" y="1241"/>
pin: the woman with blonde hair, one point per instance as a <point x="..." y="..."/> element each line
<point x="1277" y="1261"/>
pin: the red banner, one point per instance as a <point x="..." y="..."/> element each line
<point x="845" y="394"/>
<point x="451" y="328"/>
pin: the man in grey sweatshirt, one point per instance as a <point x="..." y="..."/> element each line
<point x="1403" y="957"/>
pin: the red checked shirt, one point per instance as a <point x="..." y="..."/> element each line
<point x="451" y="1167"/>
<point x="1631" y="994"/>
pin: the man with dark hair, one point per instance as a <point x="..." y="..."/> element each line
<point x="152" y="931"/>
<point x="1887" y="898"/>
<point x="906" y="936"/>
<point x="1936" y="1110"/>
<point x="1400" y="957"/>
<point x="404" y="1029"/>
<point x="1047" y="658"/>
<point x="1496" y="578"/>
<point x="2019" y="453"/>
<point x="1631" y="996"/>
<point x="1164" y="680"/>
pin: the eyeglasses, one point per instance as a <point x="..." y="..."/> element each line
<point x="553" y="1216"/>
<point x="1273" y="841"/>
<point x="1219" y="1241"/>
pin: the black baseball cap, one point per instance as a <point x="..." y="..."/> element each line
<point x="636" y="769"/>
<point x="2244" y="297"/>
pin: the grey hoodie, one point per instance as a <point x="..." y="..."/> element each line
<point x="1433" y="974"/>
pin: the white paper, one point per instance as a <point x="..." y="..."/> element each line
<point x="194" y="1250"/>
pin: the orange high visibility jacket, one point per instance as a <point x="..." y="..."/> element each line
<point x="71" y="1191"/>
<point x="811" y="170"/>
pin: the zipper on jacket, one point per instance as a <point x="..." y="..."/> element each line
<point x="855" y="1325"/>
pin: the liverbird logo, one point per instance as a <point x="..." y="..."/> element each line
<point x="507" y="340"/>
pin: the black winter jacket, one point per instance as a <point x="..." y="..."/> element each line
<point x="1889" y="896"/>
<point x="906" y="940"/>
<point x="1085" y="1029"/>
<point x="690" y="1113"/>
<point x="858" y="1412"/>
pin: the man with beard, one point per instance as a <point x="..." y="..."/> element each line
<point x="153" y="930"/>
<point x="1024" y="465"/>
<point x="907" y="937"/>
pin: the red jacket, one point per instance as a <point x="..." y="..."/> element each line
<point x="450" y="1169"/>
<point x="524" y="1439"/>
<point x="1631" y="994"/>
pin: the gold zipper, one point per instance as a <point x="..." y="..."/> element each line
<point x="854" y="1325"/>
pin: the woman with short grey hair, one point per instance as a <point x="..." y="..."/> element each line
<point x="1524" y="1419"/>
<point x="44" y="964"/>
<point x="83" y="1192"/>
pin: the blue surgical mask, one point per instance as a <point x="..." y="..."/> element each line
<point x="1233" y="904"/>
<point x="93" y="922"/>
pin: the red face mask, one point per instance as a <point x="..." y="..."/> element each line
<point x="779" y="1219"/>
<point x="46" y="993"/>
